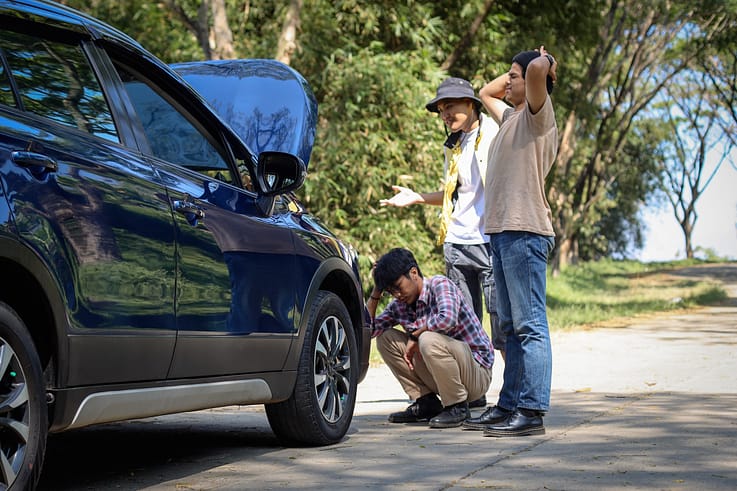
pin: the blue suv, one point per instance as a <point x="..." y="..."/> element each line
<point x="153" y="258"/>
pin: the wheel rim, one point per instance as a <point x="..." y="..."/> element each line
<point x="332" y="369"/>
<point x="14" y="414"/>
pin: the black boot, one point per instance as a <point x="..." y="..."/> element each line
<point x="522" y="423"/>
<point x="451" y="416"/>
<point x="492" y="416"/>
<point x="480" y="402"/>
<point x="422" y="409"/>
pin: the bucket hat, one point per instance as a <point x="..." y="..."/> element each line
<point x="453" y="88"/>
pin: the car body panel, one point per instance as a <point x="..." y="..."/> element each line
<point x="88" y="222"/>
<point x="235" y="309"/>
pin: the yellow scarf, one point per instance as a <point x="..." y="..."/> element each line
<point x="451" y="183"/>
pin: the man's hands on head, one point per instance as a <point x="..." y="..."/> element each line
<point x="553" y="63"/>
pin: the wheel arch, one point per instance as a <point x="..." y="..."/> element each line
<point x="336" y="276"/>
<point x="33" y="294"/>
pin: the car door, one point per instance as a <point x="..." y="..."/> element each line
<point x="91" y="209"/>
<point x="235" y="302"/>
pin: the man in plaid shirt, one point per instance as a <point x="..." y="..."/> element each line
<point x="443" y="349"/>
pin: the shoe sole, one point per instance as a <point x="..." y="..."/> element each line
<point x="467" y="425"/>
<point x="540" y="430"/>
<point x="473" y="426"/>
<point x="445" y="425"/>
<point x="425" y="420"/>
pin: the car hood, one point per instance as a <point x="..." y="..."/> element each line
<point x="269" y="104"/>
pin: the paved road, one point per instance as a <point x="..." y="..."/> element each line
<point x="643" y="406"/>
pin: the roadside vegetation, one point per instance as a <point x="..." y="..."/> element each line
<point x="607" y="292"/>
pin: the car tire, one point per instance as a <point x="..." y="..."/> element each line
<point x="320" y="409"/>
<point x="23" y="411"/>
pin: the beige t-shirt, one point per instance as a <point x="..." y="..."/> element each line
<point x="520" y="158"/>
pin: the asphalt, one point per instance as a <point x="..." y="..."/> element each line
<point x="648" y="404"/>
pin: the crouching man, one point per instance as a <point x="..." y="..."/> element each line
<point x="443" y="350"/>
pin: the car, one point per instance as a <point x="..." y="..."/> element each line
<point x="154" y="258"/>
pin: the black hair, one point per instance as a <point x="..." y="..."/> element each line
<point x="392" y="265"/>
<point x="523" y="58"/>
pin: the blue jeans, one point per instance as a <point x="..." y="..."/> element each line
<point x="520" y="265"/>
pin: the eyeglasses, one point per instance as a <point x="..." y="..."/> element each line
<point x="396" y="287"/>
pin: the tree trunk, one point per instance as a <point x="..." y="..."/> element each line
<point x="199" y="27"/>
<point x="466" y="41"/>
<point x="687" y="229"/>
<point x="221" y="37"/>
<point x="288" y="39"/>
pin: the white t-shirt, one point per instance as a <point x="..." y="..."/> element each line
<point x="466" y="221"/>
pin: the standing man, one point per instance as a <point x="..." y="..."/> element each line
<point x="465" y="246"/>
<point x="519" y="221"/>
<point x="443" y="349"/>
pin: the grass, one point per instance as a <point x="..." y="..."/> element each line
<point x="608" y="291"/>
<point x="604" y="291"/>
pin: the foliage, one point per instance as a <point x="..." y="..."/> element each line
<point x="373" y="65"/>
<point x="614" y="227"/>
<point x="359" y="155"/>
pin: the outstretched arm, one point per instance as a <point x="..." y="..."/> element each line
<point x="405" y="197"/>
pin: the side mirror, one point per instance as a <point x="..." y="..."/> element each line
<point x="279" y="172"/>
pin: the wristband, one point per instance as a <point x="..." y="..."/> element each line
<point x="412" y="336"/>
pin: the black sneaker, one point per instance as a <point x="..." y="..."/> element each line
<point x="451" y="416"/>
<point x="424" y="408"/>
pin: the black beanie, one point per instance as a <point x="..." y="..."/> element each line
<point x="523" y="58"/>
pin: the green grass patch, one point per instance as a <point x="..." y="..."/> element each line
<point x="599" y="292"/>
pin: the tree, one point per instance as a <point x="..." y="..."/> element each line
<point x="208" y="21"/>
<point x="374" y="68"/>
<point x="642" y="48"/>
<point x="288" y="39"/>
<point x="697" y="122"/>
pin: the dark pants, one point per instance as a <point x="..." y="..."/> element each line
<point x="469" y="267"/>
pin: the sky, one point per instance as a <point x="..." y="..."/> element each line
<point x="716" y="226"/>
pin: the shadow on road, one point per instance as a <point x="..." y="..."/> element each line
<point x="654" y="439"/>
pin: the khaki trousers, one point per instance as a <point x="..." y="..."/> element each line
<point x="445" y="367"/>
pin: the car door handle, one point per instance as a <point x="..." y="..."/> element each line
<point x="33" y="159"/>
<point x="191" y="211"/>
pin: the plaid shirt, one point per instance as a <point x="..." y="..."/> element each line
<point x="440" y="308"/>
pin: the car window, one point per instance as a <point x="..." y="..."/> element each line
<point x="54" y="80"/>
<point x="6" y="91"/>
<point x="171" y="136"/>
